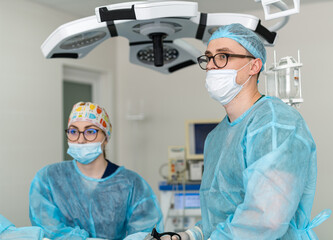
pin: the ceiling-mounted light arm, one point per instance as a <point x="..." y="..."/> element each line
<point x="265" y="33"/>
<point x="282" y="6"/>
<point x="284" y="13"/>
<point x="154" y="11"/>
<point x="120" y="14"/>
<point x="157" y="31"/>
<point x="158" y="48"/>
<point x="146" y="10"/>
<point x="208" y="23"/>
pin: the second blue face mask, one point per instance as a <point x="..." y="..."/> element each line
<point x="85" y="153"/>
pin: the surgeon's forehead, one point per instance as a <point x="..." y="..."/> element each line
<point x="224" y="45"/>
<point x="82" y="125"/>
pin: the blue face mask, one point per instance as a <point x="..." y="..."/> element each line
<point x="85" y="153"/>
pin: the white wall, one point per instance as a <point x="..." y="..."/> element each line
<point x="171" y="99"/>
<point x="31" y="99"/>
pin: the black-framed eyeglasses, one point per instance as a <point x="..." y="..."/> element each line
<point x="220" y="59"/>
<point x="73" y="134"/>
<point x="155" y="235"/>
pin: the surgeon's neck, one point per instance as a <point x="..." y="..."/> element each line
<point x="94" y="169"/>
<point x="242" y="102"/>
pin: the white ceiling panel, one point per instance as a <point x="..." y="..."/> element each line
<point x="83" y="8"/>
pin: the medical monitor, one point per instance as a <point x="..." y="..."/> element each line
<point x="196" y="133"/>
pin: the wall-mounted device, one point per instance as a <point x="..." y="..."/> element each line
<point x="177" y="164"/>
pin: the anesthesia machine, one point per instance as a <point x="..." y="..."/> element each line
<point x="180" y="201"/>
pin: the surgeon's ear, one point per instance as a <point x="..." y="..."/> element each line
<point x="256" y="66"/>
<point x="104" y="147"/>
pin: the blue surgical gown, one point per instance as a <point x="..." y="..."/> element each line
<point x="259" y="176"/>
<point x="69" y="205"/>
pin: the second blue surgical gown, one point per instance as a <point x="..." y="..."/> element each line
<point x="260" y="176"/>
<point x="68" y="205"/>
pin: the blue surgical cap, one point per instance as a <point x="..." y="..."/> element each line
<point x="245" y="37"/>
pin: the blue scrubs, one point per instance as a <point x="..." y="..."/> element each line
<point x="69" y="205"/>
<point x="259" y="176"/>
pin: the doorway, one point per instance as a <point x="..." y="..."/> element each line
<point x="79" y="85"/>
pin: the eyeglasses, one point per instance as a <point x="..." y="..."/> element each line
<point x="155" y="235"/>
<point x="73" y="134"/>
<point x="220" y="59"/>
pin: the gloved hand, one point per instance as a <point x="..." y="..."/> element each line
<point x="183" y="235"/>
<point x="95" y="239"/>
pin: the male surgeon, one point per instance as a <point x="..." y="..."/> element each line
<point x="260" y="163"/>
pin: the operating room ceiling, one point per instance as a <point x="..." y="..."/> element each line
<point x="83" y="8"/>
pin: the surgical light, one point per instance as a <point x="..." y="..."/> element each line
<point x="154" y="30"/>
<point x="283" y="80"/>
<point x="82" y="40"/>
<point x="146" y="55"/>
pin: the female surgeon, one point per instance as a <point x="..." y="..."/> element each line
<point x="91" y="197"/>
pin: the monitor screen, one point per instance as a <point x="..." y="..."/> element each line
<point x="201" y="131"/>
<point x="197" y="132"/>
